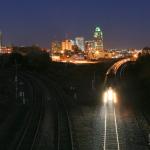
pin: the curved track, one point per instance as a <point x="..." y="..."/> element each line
<point x="30" y="130"/>
<point x="63" y="137"/>
<point x="133" y="128"/>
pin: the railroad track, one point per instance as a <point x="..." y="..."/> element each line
<point x="110" y="130"/>
<point x="143" y="129"/>
<point x="64" y="137"/>
<point x="28" y="138"/>
<point x="138" y="121"/>
<point x="134" y="126"/>
<point x="134" y="136"/>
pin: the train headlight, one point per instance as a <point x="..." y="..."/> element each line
<point x="110" y="96"/>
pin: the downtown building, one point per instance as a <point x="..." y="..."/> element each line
<point x="89" y="45"/>
<point x="96" y="44"/>
<point x="98" y="39"/>
<point x="95" y="47"/>
<point x="67" y="45"/>
<point x="4" y="49"/>
<point x="56" y="47"/>
<point x="79" y="41"/>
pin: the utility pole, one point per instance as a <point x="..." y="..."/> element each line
<point x="21" y="94"/>
<point x="16" y="79"/>
<point x="23" y="98"/>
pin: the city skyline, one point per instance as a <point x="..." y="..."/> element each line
<point x="125" y="24"/>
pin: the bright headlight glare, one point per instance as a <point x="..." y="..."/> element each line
<point x="115" y="98"/>
<point x="105" y="97"/>
<point x="110" y="94"/>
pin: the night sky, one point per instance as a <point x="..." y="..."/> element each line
<point x="125" y="23"/>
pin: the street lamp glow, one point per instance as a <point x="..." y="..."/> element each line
<point x="62" y="52"/>
<point x="97" y="52"/>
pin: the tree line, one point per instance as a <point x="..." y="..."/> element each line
<point x="31" y="57"/>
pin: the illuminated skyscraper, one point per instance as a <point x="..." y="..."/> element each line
<point x="56" y="47"/>
<point x="80" y="43"/>
<point x="67" y="45"/>
<point x="89" y="45"/>
<point x="98" y="39"/>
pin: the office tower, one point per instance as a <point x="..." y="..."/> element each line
<point x="98" y="39"/>
<point x="67" y="44"/>
<point x="80" y="43"/>
<point x="56" y="47"/>
<point x="89" y="45"/>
